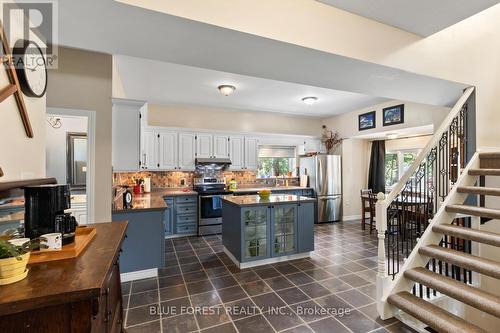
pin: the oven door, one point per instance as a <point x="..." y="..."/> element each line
<point x="210" y="209"/>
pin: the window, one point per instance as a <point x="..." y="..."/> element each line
<point x="276" y="161"/>
<point x="396" y="164"/>
<point x="391" y="169"/>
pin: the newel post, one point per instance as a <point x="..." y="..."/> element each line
<point x="381" y="219"/>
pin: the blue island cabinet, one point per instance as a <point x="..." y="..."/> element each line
<point x="253" y="233"/>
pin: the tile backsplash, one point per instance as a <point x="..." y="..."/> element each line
<point x="173" y="179"/>
<point x="165" y="179"/>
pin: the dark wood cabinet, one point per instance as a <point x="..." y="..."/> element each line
<point x="78" y="295"/>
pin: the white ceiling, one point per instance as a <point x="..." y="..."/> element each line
<point x="421" y="17"/>
<point x="166" y="83"/>
<point x="116" y="28"/>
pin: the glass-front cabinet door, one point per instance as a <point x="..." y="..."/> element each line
<point x="284" y="233"/>
<point x="255" y="232"/>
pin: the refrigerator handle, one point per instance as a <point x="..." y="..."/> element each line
<point x="319" y="176"/>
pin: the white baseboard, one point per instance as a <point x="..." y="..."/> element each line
<point x="267" y="261"/>
<point x="351" y="217"/>
<point x="137" y="275"/>
<point x="179" y="236"/>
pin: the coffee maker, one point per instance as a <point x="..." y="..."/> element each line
<point x="44" y="212"/>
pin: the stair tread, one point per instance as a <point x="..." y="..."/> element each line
<point x="468" y="261"/>
<point x="460" y="291"/>
<point x="475" y="211"/>
<point x="432" y="315"/>
<point x="479" y="190"/>
<point x="489" y="155"/>
<point x="484" y="172"/>
<point x="484" y="237"/>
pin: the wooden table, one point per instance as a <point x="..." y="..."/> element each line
<point x="74" y="295"/>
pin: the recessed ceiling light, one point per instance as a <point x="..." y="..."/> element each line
<point x="310" y="100"/>
<point x="227" y="89"/>
<point x="392" y="136"/>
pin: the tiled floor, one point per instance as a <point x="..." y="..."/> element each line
<point x="200" y="290"/>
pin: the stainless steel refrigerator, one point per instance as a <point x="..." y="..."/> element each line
<point x="325" y="177"/>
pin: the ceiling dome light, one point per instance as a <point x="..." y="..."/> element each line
<point x="227" y="89"/>
<point x="310" y="100"/>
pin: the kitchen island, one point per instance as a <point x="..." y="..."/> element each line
<point x="259" y="231"/>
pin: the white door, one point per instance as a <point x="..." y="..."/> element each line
<point x="187" y="149"/>
<point x="251" y="145"/>
<point x="150" y="150"/>
<point x="204" y="145"/>
<point x="81" y="217"/>
<point x="168" y="150"/>
<point x="236" y="152"/>
<point x="221" y="146"/>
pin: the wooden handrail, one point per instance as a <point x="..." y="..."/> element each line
<point x="434" y="141"/>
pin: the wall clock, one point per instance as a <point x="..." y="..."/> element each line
<point x="31" y="68"/>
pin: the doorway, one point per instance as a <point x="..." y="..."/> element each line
<point x="70" y="157"/>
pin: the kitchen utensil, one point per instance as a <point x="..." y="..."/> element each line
<point x="303" y="180"/>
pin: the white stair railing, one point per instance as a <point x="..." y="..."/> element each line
<point x="428" y="181"/>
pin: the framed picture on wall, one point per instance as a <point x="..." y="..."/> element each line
<point x="366" y="121"/>
<point x="394" y="115"/>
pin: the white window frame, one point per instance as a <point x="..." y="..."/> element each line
<point x="400" y="153"/>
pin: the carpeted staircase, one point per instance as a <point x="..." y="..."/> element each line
<point x="430" y="314"/>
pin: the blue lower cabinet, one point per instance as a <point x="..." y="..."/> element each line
<point x="144" y="247"/>
<point x="255" y="233"/>
<point x="261" y="232"/>
<point x="283" y="230"/>
<point x="181" y="217"/>
<point x="305" y="225"/>
<point x="169" y="217"/>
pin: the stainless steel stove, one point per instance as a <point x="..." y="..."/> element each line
<point x="210" y="190"/>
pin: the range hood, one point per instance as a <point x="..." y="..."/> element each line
<point x="216" y="162"/>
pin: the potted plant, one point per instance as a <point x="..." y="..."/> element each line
<point x="13" y="260"/>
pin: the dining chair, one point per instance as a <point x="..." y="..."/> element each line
<point x="365" y="206"/>
<point x="372" y="200"/>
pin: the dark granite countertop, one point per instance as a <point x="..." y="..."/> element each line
<point x="245" y="189"/>
<point x="255" y="200"/>
<point x="150" y="201"/>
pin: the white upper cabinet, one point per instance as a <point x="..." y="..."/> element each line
<point x="150" y="150"/>
<point x="126" y="134"/>
<point x="187" y="150"/>
<point x="237" y="152"/>
<point x="204" y="145"/>
<point x="169" y="147"/>
<point x="251" y="145"/>
<point x="311" y="146"/>
<point x="221" y="146"/>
